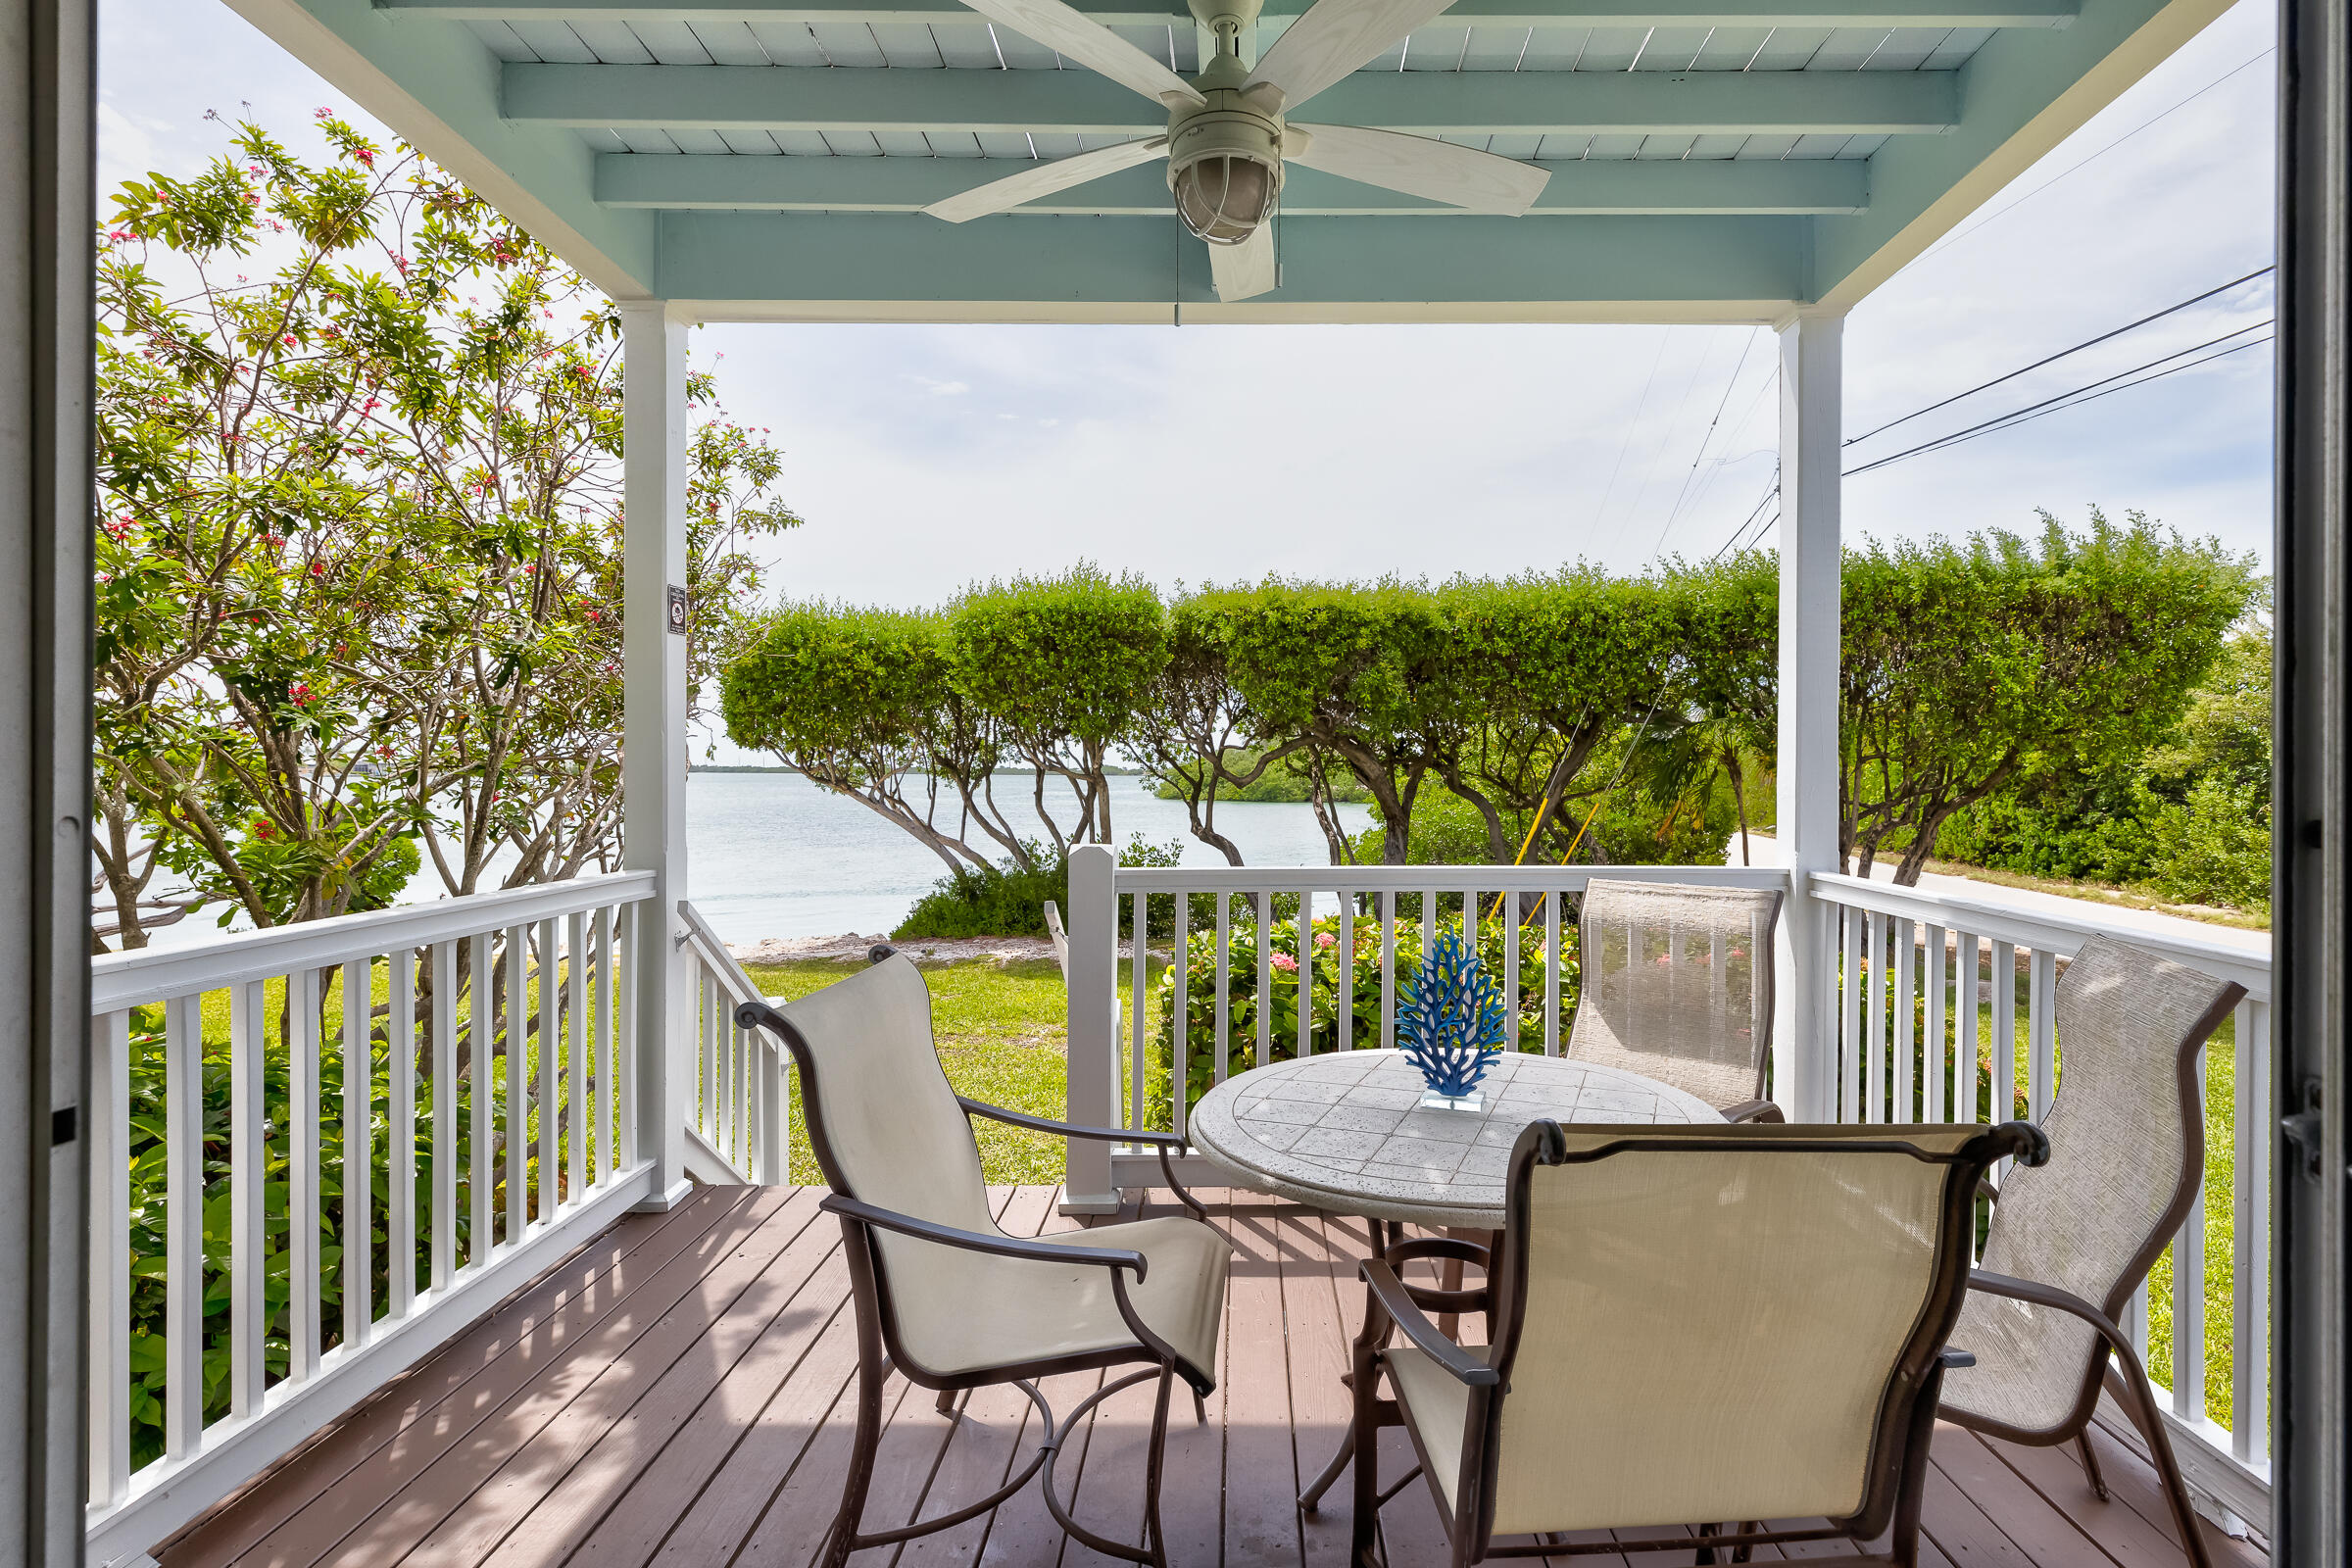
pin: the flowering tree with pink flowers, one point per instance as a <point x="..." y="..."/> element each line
<point x="359" y="541"/>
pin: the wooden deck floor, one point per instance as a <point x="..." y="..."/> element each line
<point x="673" y="1394"/>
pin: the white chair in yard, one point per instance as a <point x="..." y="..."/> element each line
<point x="1737" y="1330"/>
<point x="943" y="1295"/>
<point x="2073" y="1240"/>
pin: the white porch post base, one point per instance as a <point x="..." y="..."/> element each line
<point x="1093" y="1046"/>
<point x="653" y="734"/>
<point x="1805" y="1044"/>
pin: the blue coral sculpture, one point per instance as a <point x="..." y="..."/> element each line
<point x="1449" y="1020"/>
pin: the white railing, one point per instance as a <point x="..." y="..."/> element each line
<point x="1120" y="1077"/>
<point x="213" y="1069"/>
<point x="738" y="1124"/>
<point x="1930" y="989"/>
<point x="1948" y="968"/>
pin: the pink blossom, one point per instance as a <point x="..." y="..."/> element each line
<point x="322" y="111"/>
<point x="1286" y="963"/>
<point x="1665" y="959"/>
<point x="1327" y="940"/>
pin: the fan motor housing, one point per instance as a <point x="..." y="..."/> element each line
<point x="1225" y="168"/>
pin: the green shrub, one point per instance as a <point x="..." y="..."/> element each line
<point x="1281" y="1000"/>
<point x="1000" y="902"/>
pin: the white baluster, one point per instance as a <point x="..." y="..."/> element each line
<point x="1906" y="997"/>
<point x="1224" y="983"/>
<point x="551" y="1116"/>
<point x="1553" y="897"/>
<point x="108" y="1114"/>
<point x="1937" y="1059"/>
<point x="1874" y="1020"/>
<point x="302" y="1174"/>
<point x="519" y="1083"/>
<point x="184" y="1237"/>
<point x="359" y="1151"/>
<point x="2250" y="1239"/>
<point x="1849" y="1008"/>
<point x="579" y="1068"/>
<point x="400" y="1175"/>
<point x="1303" y="940"/>
<point x="1180" y="1016"/>
<point x="446" y="1137"/>
<point x="482" y="1027"/>
<point x="1139" y="999"/>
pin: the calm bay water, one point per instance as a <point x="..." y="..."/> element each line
<point x="770" y="854"/>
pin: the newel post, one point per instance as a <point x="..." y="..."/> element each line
<point x="1094" y="1046"/>
<point x="653" y="731"/>
<point x="1804" y="1045"/>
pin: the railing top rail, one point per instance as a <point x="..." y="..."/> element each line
<point x="713" y="951"/>
<point x="120" y="980"/>
<point x="1428" y="878"/>
<point x="2036" y="925"/>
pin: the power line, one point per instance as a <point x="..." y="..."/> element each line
<point x="2069" y="399"/>
<point x="2195" y="299"/>
<point x="1706" y="440"/>
<point x="2011" y="420"/>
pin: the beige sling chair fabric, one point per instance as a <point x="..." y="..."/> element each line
<point x="2127" y="1142"/>
<point x="900" y="1140"/>
<point x="1677" y="985"/>
<point x="1704" y="1324"/>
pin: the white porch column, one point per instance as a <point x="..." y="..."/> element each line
<point x="1092" y="1095"/>
<point x="653" y="730"/>
<point x="1804" y="1045"/>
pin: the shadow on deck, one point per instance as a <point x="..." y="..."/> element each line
<point x="673" y="1394"/>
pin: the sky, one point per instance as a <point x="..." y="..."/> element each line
<point x="928" y="457"/>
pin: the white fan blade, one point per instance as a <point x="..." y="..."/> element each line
<point x="1075" y="36"/>
<point x="1335" y="38"/>
<point x="1422" y="166"/>
<point x="1044" y="179"/>
<point x="1243" y="269"/>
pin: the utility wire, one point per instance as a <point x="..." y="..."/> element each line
<point x="2195" y="299"/>
<point x="2069" y="399"/>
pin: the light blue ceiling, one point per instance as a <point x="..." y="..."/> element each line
<point x="1709" y="161"/>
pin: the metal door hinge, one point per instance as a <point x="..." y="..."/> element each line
<point x="2306" y="1128"/>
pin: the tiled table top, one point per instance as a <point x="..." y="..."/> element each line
<point x="1345" y="1131"/>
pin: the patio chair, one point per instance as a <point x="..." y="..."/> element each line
<point x="2071" y="1240"/>
<point x="1677" y="986"/>
<point x="946" y="1297"/>
<point x="1694" y="1327"/>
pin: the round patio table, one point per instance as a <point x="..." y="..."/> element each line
<point x="1345" y="1132"/>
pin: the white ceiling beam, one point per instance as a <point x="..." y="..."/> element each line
<point x="1147" y="12"/>
<point x="1591" y="188"/>
<point x="1428" y="103"/>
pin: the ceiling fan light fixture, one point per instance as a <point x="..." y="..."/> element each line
<point x="1223" y="198"/>
<point x="1225" y="169"/>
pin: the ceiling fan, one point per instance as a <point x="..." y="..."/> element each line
<point x="1227" y="140"/>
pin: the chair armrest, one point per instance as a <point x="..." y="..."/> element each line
<point x="887" y="1219"/>
<point x="2039" y="1294"/>
<point x="1163" y="1143"/>
<point x="1988" y="1192"/>
<point x="1452" y="1247"/>
<point x="1390" y="1293"/>
<point x="1753" y="1111"/>
<point x="1064" y="1129"/>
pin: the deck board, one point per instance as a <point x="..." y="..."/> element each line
<point x="681" y="1392"/>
